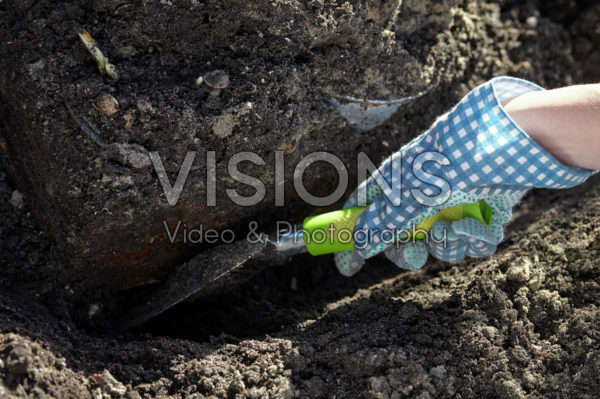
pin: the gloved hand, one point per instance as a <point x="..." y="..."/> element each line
<point x="475" y="151"/>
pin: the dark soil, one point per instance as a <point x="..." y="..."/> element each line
<point x="267" y="69"/>
<point x="522" y="323"/>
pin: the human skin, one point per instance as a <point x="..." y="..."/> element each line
<point x="565" y="122"/>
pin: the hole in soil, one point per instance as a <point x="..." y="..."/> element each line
<point x="277" y="298"/>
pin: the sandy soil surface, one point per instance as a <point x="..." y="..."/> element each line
<point x="523" y="323"/>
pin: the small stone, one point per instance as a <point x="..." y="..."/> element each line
<point x="199" y="80"/>
<point x="531" y="22"/>
<point x="16" y="199"/>
<point x="107" y="104"/>
<point x="217" y="79"/>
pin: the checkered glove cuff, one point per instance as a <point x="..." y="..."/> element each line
<point x="489" y="152"/>
<point x="486" y="153"/>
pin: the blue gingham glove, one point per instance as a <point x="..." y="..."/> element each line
<point x="475" y="151"/>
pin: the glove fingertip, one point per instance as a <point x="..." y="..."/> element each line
<point x="480" y="249"/>
<point x="409" y="256"/>
<point x="447" y="250"/>
<point x="348" y="263"/>
<point x="473" y="229"/>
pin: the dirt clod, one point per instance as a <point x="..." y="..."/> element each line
<point x="520" y="271"/>
<point x="132" y="155"/>
<point x="217" y="79"/>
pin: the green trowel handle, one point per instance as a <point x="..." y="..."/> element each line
<point x="333" y="231"/>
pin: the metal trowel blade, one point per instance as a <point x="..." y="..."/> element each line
<point x="216" y="270"/>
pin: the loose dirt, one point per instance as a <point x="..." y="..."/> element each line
<point x="522" y="323"/>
